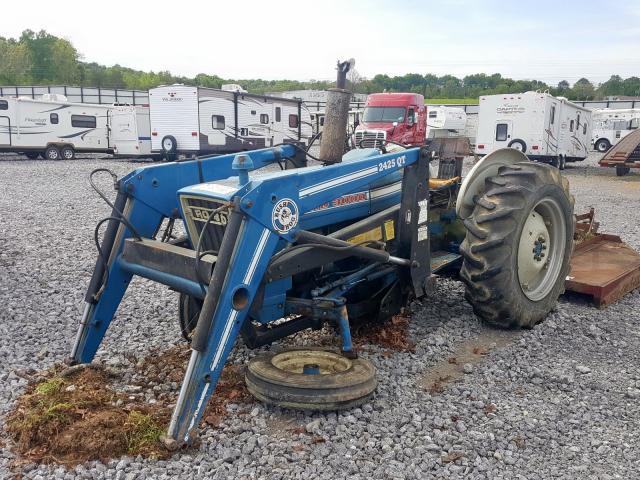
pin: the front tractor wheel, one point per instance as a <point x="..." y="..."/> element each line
<point x="518" y="245"/>
<point x="311" y="379"/>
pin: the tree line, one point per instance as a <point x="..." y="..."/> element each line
<point x="39" y="58"/>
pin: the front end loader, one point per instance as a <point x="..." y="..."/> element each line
<point x="270" y="252"/>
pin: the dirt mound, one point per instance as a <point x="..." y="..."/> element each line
<point x="69" y="419"/>
<point x="393" y="335"/>
<point x="169" y="366"/>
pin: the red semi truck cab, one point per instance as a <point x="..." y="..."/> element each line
<point x="400" y="117"/>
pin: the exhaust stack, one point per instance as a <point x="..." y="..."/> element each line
<point x="336" y="116"/>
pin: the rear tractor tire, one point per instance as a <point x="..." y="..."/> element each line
<point x="308" y="378"/>
<point x="518" y="245"/>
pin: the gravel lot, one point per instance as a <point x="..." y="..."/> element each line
<point x="559" y="401"/>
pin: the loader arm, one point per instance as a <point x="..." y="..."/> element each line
<point x="146" y="197"/>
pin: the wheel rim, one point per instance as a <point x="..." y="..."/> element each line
<point x="602" y="147"/>
<point x="541" y="250"/>
<point x="517" y="146"/>
<point x="67" y="154"/>
<point x="53" y="155"/>
<point x="311" y="362"/>
<point x="167" y="144"/>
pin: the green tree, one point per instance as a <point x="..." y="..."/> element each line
<point x="583" y="89"/>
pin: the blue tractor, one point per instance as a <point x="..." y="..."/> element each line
<point x="269" y="252"/>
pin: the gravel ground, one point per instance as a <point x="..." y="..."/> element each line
<point x="558" y="401"/>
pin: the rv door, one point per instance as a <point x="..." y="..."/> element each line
<point x="5" y="131"/>
<point x="503" y="132"/>
<point x="277" y="129"/>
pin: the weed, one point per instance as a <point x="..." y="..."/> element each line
<point x="142" y="432"/>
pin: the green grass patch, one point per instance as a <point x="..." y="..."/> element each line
<point x="143" y="432"/>
<point x="51" y="387"/>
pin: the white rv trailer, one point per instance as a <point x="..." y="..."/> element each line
<point x="546" y="128"/>
<point x="610" y="125"/>
<point x="196" y="120"/>
<point x="130" y="131"/>
<point x="52" y="127"/>
<point x="317" y="120"/>
<point x="443" y="121"/>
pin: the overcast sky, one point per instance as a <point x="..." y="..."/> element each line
<point x="541" y="39"/>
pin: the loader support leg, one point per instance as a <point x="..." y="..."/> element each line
<point x="97" y="316"/>
<point x="254" y="247"/>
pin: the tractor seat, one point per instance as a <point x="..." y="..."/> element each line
<point x="440" y="183"/>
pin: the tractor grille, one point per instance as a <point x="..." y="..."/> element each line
<point x="197" y="211"/>
<point x="370" y="138"/>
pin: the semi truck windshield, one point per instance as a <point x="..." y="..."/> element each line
<point x="383" y="114"/>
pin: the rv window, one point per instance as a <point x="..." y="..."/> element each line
<point x="293" y="121"/>
<point x="53" y="118"/>
<point x="501" y="132"/>
<point x="553" y="114"/>
<point x="253" y="112"/>
<point x="4" y="105"/>
<point x="633" y="124"/>
<point x="571" y="126"/>
<point x="83" y="121"/>
<point x="433" y="114"/>
<point x="278" y="114"/>
<point x="620" y="125"/>
<point x="217" y="122"/>
<point x="264" y="118"/>
<point x="578" y="122"/>
<point x="584" y="129"/>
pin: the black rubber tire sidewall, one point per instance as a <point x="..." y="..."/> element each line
<point x="499" y="299"/>
<point x="50" y="149"/>
<point x="310" y="392"/>
<point x="605" y="142"/>
<point x="521" y="142"/>
<point x="174" y="144"/>
<point x="73" y="153"/>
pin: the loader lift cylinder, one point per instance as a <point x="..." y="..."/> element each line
<point x="201" y="336"/>
<point x="336" y="117"/>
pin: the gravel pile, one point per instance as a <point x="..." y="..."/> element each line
<point x="559" y="401"/>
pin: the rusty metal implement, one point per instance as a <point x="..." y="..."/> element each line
<point x="602" y="266"/>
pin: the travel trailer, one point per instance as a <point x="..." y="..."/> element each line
<point x="609" y="126"/>
<point x="445" y="121"/>
<point x="195" y="120"/>
<point x="548" y="129"/>
<point x="130" y="131"/>
<point x="52" y="127"/>
<point x="317" y="120"/>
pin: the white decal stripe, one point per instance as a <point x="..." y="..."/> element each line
<point x="219" y="350"/>
<point x="195" y="414"/>
<point x="337" y="181"/>
<point x="256" y="257"/>
<point x="225" y="336"/>
<point x="388" y="190"/>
